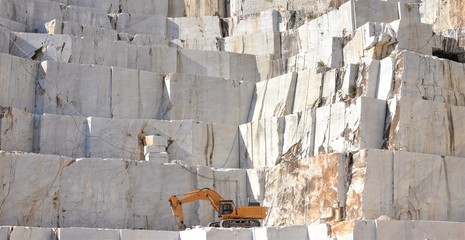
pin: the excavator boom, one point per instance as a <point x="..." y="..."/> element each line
<point x="241" y="217"/>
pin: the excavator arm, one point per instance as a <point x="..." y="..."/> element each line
<point x="202" y="194"/>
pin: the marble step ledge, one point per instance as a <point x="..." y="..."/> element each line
<point x="63" y="48"/>
<point x="191" y="142"/>
<point x="436" y="131"/>
<point x="403" y="185"/>
<point x="339" y="127"/>
<point x="108" y="193"/>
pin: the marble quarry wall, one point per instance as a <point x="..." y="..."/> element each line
<point x="342" y="118"/>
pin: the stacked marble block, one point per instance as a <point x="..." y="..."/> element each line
<point x="155" y="149"/>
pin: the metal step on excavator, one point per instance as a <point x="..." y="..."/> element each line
<point x="230" y="216"/>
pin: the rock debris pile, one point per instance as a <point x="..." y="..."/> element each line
<point x="343" y="118"/>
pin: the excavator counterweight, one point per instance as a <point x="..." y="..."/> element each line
<point x="228" y="213"/>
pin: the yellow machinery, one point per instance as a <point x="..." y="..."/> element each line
<point x="230" y="215"/>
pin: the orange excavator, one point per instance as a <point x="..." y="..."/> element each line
<point x="228" y="213"/>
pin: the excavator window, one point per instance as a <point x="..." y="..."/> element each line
<point x="225" y="208"/>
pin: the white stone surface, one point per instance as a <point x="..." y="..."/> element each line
<point x="192" y="142"/>
<point x="193" y="27"/>
<point x="307" y="90"/>
<point x="62" y="135"/>
<point x="442" y="134"/>
<point x="153" y="59"/>
<point x="374" y="229"/>
<point x="155" y="140"/>
<point x="241" y="67"/>
<point x="273" y="97"/>
<point x="75" y="233"/>
<point x="41" y="46"/>
<point x="386" y="78"/>
<point x="30" y="187"/>
<point x="265" y="142"/>
<point x="75" y="89"/>
<point x="87" y="16"/>
<point x="202" y="98"/>
<point x="100" y="52"/>
<point x="28" y="233"/>
<point x="340" y="127"/>
<point x="256" y="43"/>
<point x="429" y="78"/>
<point x="17" y="82"/>
<point x="406" y="186"/>
<point x="140" y="24"/>
<point x="16" y="130"/>
<point x="57" y="26"/>
<point x="127" y="234"/>
<point x="8" y="24"/>
<point x="135" y="93"/>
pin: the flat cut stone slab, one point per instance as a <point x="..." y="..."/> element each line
<point x="202" y="98"/>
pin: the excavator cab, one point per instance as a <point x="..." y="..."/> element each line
<point x="225" y="207"/>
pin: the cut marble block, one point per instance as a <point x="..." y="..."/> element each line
<point x="436" y="131"/>
<point x="350" y="126"/>
<point x="202" y="98"/>
<point x="317" y="191"/>
<point x="87" y="16"/>
<point x="276" y="233"/>
<point x="62" y="135"/>
<point x="369" y="11"/>
<point x="159" y="157"/>
<point x="75" y="89"/>
<point x="154" y="7"/>
<point x="154" y="149"/>
<point x="140" y="23"/>
<point x="135" y="93"/>
<point x="192" y="142"/>
<point x="127" y="234"/>
<point x="76" y="233"/>
<point x="413" y="36"/>
<point x="429" y="78"/>
<point x="256" y="43"/>
<point x="242" y="67"/>
<point x="273" y="98"/>
<point x="406" y="186"/>
<point x="193" y="27"/>
<point x="217" y="233"/>
<point x="4" y="39"/>
<point x="150" y="40"/>
<point x="208" y="44"/>
<point x="10" y="25"/>
<point x="264" y="143"/>
<point x="153" y="59"/>
<point x="17" y="82"/>
<point x="100" y="52"/>
<point x="155" y="140"/>
<point x="195" y="8"/>
<point x="30" y="187"/>
<point x="255" y="185"/>
<point x="123" y="194"/>
<point x="41" y="46"/>
<point x="376" y="230"/>
<point x="16" y="130"/>
<point x="109" y="6"/>
<point x="266" y="21"/>
<point x="57" y="26"/>
<point x="29" y="233"/>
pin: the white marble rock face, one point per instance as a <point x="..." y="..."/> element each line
<point x="62" y="135"/>
<point x="422" y="183"/>
<point x="16" y="130"/>
<point x="17" y="82"/>
<point x="273" y="98"/>
<point x="74" y="89"/>
<point x="41" y="47"/>
<point x="201" y="98"/>
<point x="135" y="94"/>
<point x="442" y="134"/>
